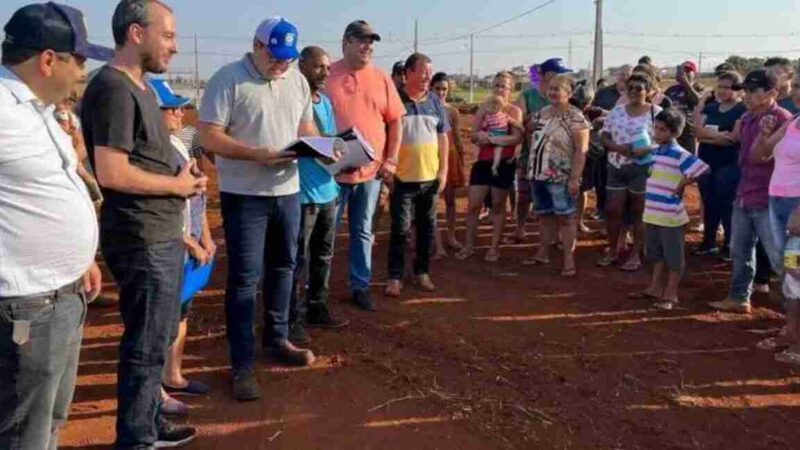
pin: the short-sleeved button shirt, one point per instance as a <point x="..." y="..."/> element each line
<point x="118" y="114"/>
<point x="48" y="228"/>
<point x="365" y="99"/>
<point x="261" y="113"/>
<point x="424" y="121"/>
<point x="553" y="150"/>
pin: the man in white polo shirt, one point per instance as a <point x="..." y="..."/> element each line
<point x="251" y="110"/>
<point x="48" y="227"/>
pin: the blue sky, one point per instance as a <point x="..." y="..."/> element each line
<point x="634" y="28"/>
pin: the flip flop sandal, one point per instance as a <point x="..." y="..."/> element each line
<point x="607" y="261"/>
<point x="535" y="262"/>
<point x="464" y="255"/>
<point x="771" y="344"/>
<point x="491" y="256"/>
<point x="665" y="305"/>
<point x="788" y="357"/>
<point x="440" y="256"/>
<point x="569" y="273"/>
<point x="631" y="267"/>
<point x="642" y="295"/>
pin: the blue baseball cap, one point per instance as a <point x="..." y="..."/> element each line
<point x="165" y="96"/>
<point x="553" y="65"/>
<point x="56" y="27"/>
<point x="280" y="37"/>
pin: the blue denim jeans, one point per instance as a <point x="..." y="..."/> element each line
<point x="261" y="235"/>
<point x="780" y="211"/>
<point x="149" y="280"/>
<point x="360" y="200"/>
<point x="37" y="377"/>
<point x="748" y="228"/>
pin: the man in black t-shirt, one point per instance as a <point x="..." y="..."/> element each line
<point x="142" y="216"/>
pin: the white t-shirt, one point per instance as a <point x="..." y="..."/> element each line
<point x="624" y="129"/>
<point x="48" y="227"/>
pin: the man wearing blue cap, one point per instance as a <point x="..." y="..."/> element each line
<point x="141" y="224"/>
<point x="47" y="223"/>
<point x="252" y="109"/>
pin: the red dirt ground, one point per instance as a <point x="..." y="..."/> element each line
<point x="502" y="356"/>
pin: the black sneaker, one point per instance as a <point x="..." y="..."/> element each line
<point x="298" y="334"/>
<point x="171" y="435"/>
<point x="289" y="355"/>
<point x="362" y="299"/>
<point x="706" y="250"/>
<point x="320" y="316"/>
<point x="725" y="254"/>
<point x="245" y="386"/>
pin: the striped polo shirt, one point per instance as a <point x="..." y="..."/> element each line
<point x="424" y="121"/>
<point x="671" y="163"/>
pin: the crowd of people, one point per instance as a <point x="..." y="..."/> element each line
<point x="635" y="146"/>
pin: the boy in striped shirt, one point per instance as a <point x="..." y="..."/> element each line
<point x="673" y="169"/>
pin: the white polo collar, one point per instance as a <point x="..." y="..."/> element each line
<point x="16" y="86"/>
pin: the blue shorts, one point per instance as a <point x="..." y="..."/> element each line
<point x="552" y="198"/>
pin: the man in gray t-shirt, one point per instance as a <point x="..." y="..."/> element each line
<point x="251" y="110"/>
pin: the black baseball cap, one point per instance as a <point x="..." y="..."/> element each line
<point x="399" y="68"/>
<point x="51" y="26"/>
<point x="361" y="29"/>
<point x="761" y="78"/>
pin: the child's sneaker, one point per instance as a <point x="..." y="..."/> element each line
<point x="424" y="283"/>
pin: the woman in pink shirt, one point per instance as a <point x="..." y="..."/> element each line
<point x="482" y="181"/>
<point x="784" y="208"/>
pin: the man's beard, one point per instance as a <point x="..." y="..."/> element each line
<point x="152" y="65"/>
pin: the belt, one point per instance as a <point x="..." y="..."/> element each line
<point x="75" y="287"/>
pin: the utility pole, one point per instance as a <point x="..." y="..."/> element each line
<point x="699" y="64"/>
<point x="196" y="75"/>
<point x="569" y="54"/>
<point x="471" y="68"/>
<point x="416" y="35"/>
<point x="597" y="65"/>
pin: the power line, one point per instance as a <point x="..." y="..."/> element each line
<point x="703" y="36"/>
<point x="492" y="26"/>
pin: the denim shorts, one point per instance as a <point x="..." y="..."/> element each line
<point x="780" y="210"/>
<point x="552" y="198"/>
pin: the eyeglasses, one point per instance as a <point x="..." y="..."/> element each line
<point x="636" y="88"/>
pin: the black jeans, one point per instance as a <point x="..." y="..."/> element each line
<point x="718" y="190"/>
<point x="149" y="280"/>
<point x="763" y="266"/>
<point x="419" y="200"/>
<point x="38" y="369"/>
<point x="314" y="255"/>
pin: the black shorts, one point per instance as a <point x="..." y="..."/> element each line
<point x="629" y="177"/>
<point x="481" y="174"/>
<point x="665" y="244"/>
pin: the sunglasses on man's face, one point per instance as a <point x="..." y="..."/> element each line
<point x="752" y="88"/>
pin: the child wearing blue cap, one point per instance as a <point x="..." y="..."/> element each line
<point x="196" y="238"/>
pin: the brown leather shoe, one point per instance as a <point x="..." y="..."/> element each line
<point x="729" y="305"/>
<point x="393" y="288"/>
<point x="289" y="355"/>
